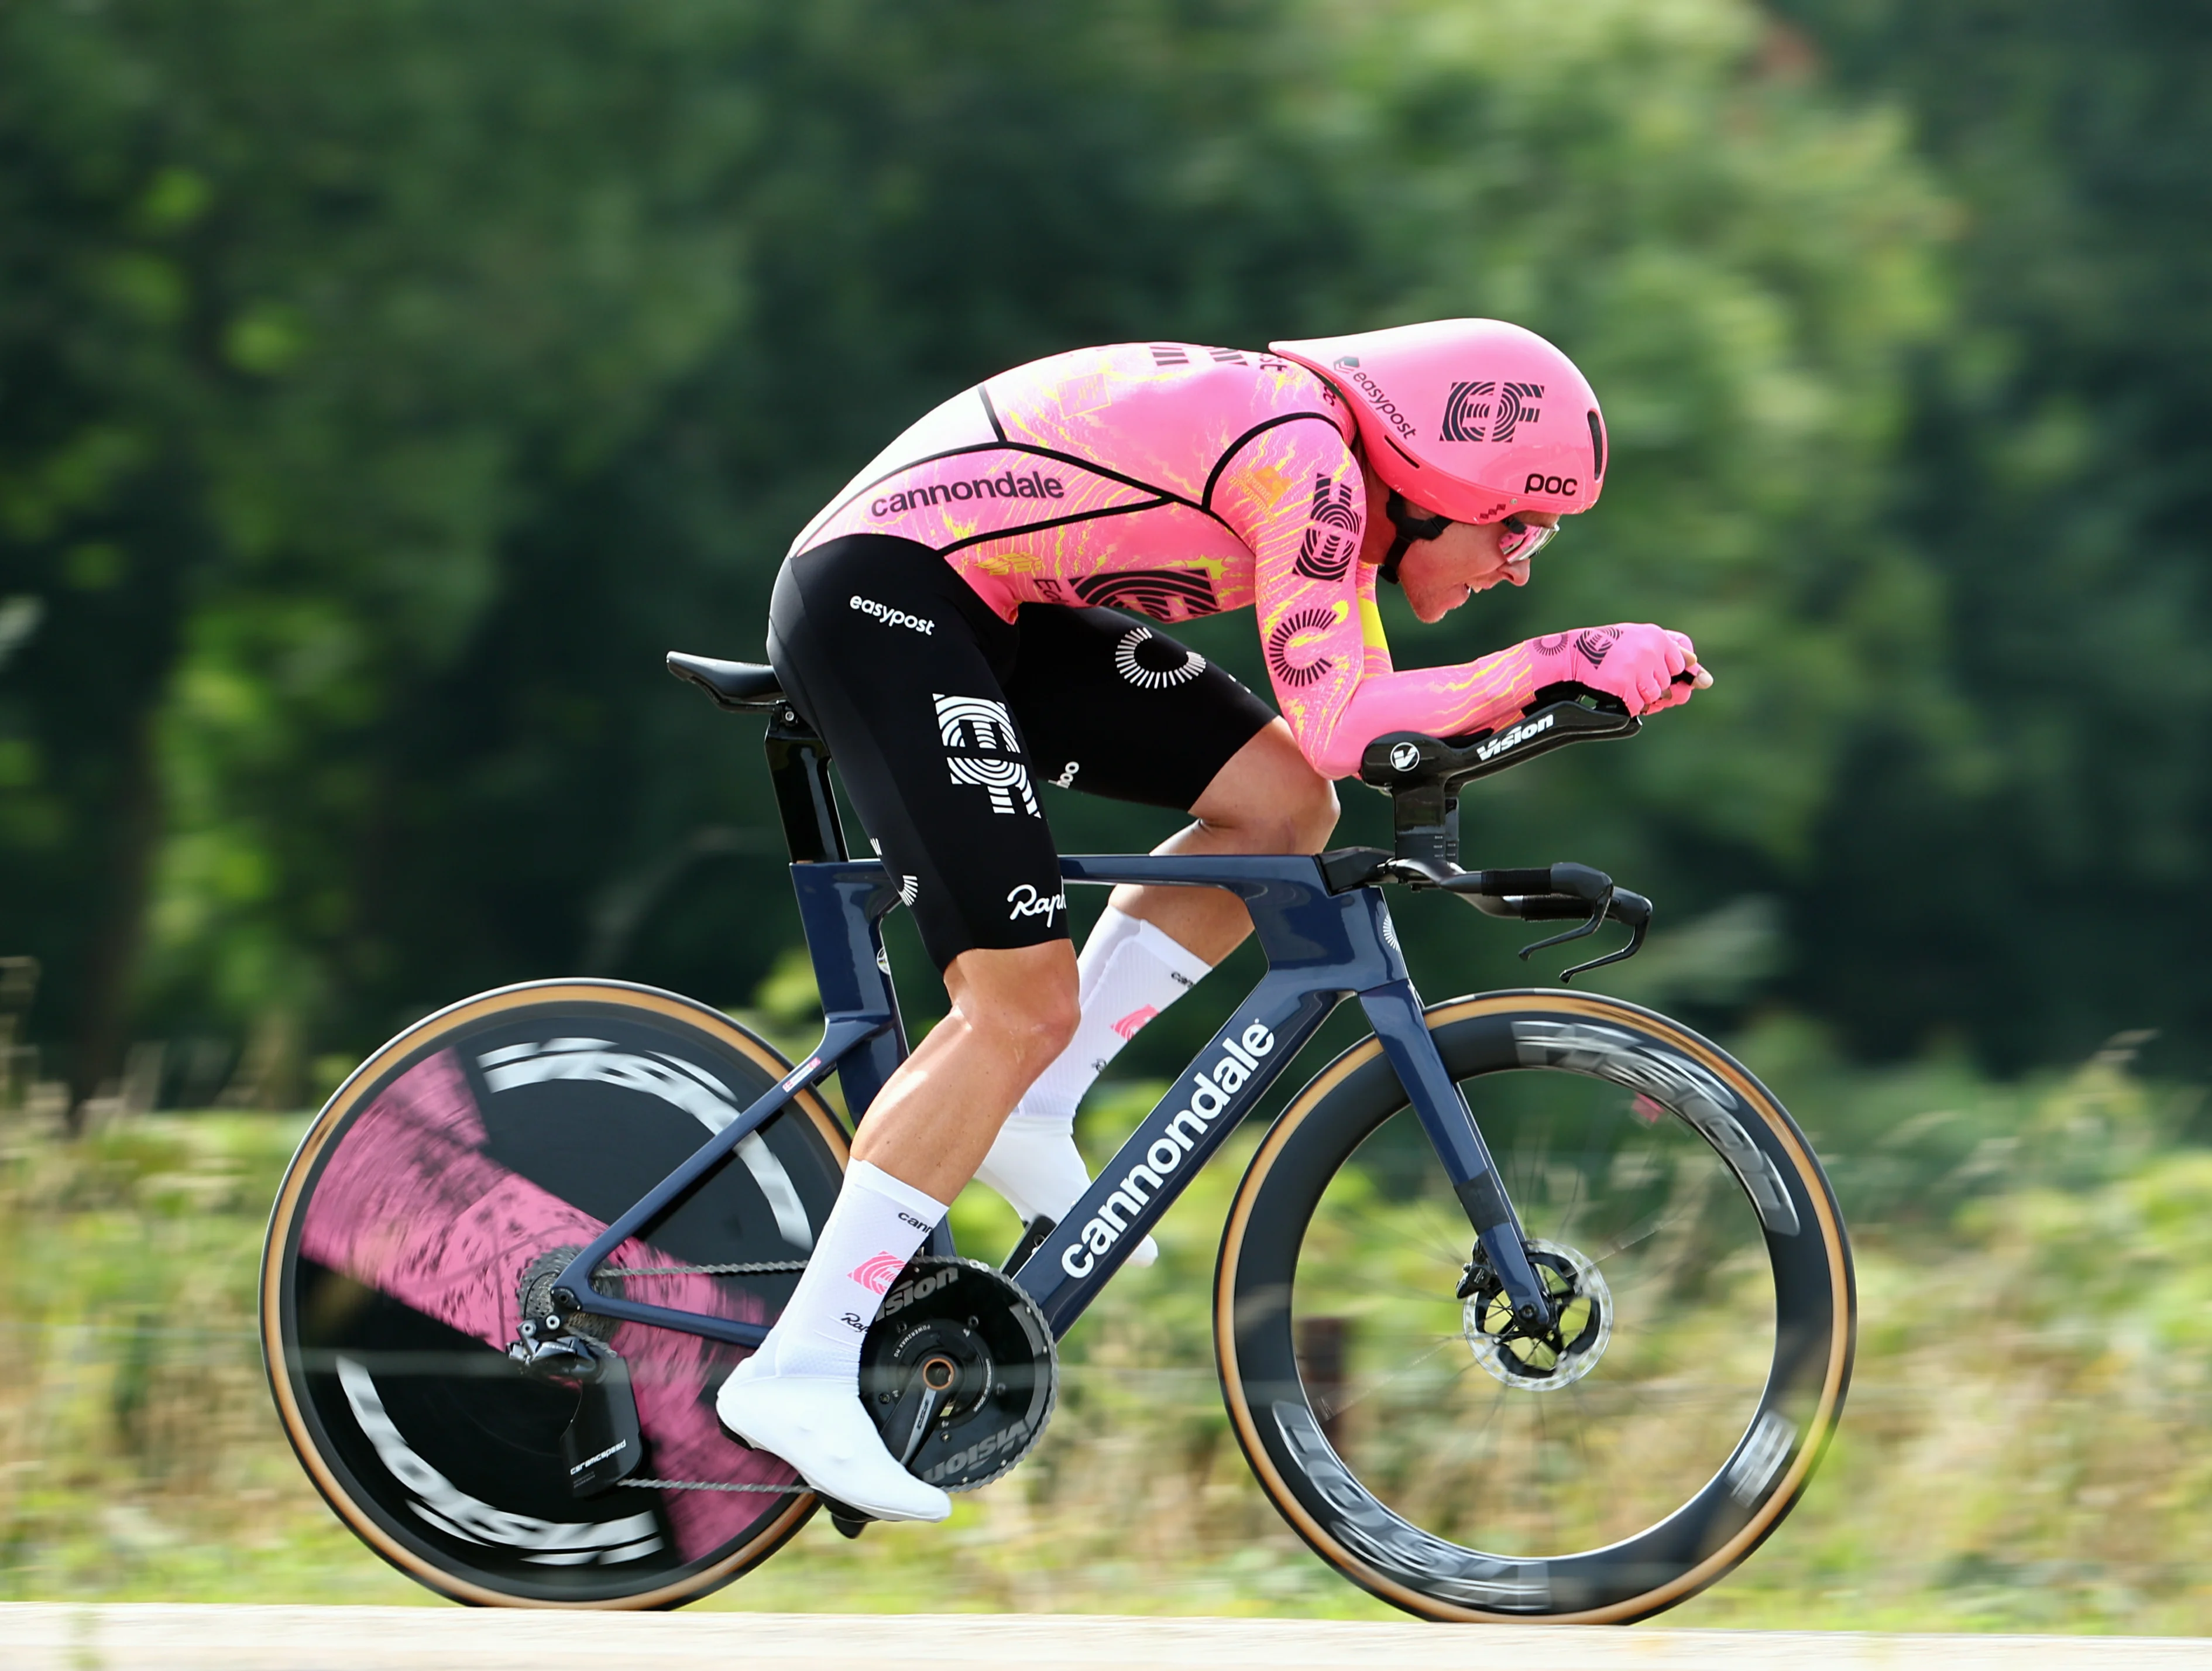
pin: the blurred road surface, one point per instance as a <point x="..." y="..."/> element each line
<point x="40" y="1636"/>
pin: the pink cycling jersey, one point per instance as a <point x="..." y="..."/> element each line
<point x="1177" y="481"/>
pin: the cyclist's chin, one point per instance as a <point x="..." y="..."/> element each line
<point x="1429" y="608"/>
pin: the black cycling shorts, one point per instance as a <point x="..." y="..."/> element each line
<point x="943" y="718"/>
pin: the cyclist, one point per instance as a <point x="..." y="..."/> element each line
<point x="952" y="623"/>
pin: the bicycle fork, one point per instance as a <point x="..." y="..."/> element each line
<point x="1395" y="1012"/>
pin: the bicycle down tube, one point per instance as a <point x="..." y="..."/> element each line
<point x="1320" y="947"/>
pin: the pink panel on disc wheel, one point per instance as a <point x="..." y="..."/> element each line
<point x="410" y="1206"/>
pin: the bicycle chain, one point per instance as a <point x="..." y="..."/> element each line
<point x="763" y="1267"/>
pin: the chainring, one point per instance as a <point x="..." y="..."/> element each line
<point x="959" y="1372"/>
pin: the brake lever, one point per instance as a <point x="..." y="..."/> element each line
<point x="1631" y="909"/>
<point x="1597" y="922"/>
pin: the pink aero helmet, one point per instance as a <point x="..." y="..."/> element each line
<point x="1474" y="419"/>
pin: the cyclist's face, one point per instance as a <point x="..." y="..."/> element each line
<point x="1440" y="574"/>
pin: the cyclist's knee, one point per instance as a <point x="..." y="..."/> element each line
<point x="1043" y="1019"/>
<point x="1298" y="819"/>
<point x="1312" y="812"/>
<point x="1271" y="797"/>
<point x="1024" y="1000"/>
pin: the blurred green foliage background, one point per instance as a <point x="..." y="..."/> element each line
<point x="383" y="389"/>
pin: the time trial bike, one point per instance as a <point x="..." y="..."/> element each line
<point x="1531" y="1306"/>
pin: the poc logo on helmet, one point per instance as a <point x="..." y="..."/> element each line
<point x="1539" y="483"/>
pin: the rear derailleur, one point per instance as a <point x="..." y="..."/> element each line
<point x="603" y="1444"/>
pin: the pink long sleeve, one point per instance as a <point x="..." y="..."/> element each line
<point x="1294" y="495"/>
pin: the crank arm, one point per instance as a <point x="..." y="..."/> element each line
<point x="924" y="1413"/>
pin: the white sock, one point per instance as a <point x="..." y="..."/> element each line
<point x="1129" y="972"/>
<point x="872" y="1230"/>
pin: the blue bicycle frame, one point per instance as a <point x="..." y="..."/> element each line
<point x="1321" y="948"/>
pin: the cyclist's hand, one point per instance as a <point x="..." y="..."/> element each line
<point x="1637" y="662"/>
<point x="1685" y="684"/>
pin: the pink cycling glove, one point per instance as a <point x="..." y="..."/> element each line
<point x="1637" y="663"/>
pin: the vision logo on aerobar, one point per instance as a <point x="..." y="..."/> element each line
<point x="1470" y="406"/>
<point x="1209" y="1096"/>
<point x="981" y="748"/>
<point x="1331" y="535"/>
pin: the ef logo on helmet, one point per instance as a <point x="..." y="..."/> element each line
<point x="1470" y="407"/>
<point x="1539" y="483"/>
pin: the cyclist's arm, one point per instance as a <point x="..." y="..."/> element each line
<point x="1294" y="494"/>
<point x="1445" y="702"/>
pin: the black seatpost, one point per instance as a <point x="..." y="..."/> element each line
<point x="798" y="766"/>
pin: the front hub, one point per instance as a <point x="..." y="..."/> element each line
<point x="1538" y="1356"/>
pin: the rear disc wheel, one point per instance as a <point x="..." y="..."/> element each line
<point x="431" y="1200"/>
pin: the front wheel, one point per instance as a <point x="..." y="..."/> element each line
<point x="1660" y="1429"/>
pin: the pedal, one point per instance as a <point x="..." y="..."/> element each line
<point x="849" y="1521"/>
<point x="1033" y="1236"/>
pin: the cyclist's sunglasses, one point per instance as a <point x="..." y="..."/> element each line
<point x="1521" y="541"/>
<point x="1517" y="542"/>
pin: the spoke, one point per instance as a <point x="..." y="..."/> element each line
<point x="1396" y="1230"/>
<point x="1644" y="1233"/>
<point x="1543" y="1443"/>
<point x="1396" y="1375"/>
<point x="1582" y="1427"/>
<point x="1574" y="1200"/>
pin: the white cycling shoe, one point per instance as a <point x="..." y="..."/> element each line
<point x="1039" y="1171"/>
<point x="815" y="1423"/>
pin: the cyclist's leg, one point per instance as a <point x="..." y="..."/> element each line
<point x="1013" y="1011"/>
<point x="1268" y="799"/>
<point x="892" y="658"/>
<point x="1114" y="706"/>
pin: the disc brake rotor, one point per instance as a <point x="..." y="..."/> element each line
<point x="959" y="1372"/>
<point x="1542" y="1360"/>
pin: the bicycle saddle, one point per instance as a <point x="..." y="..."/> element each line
<point x="736" y="685"/>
